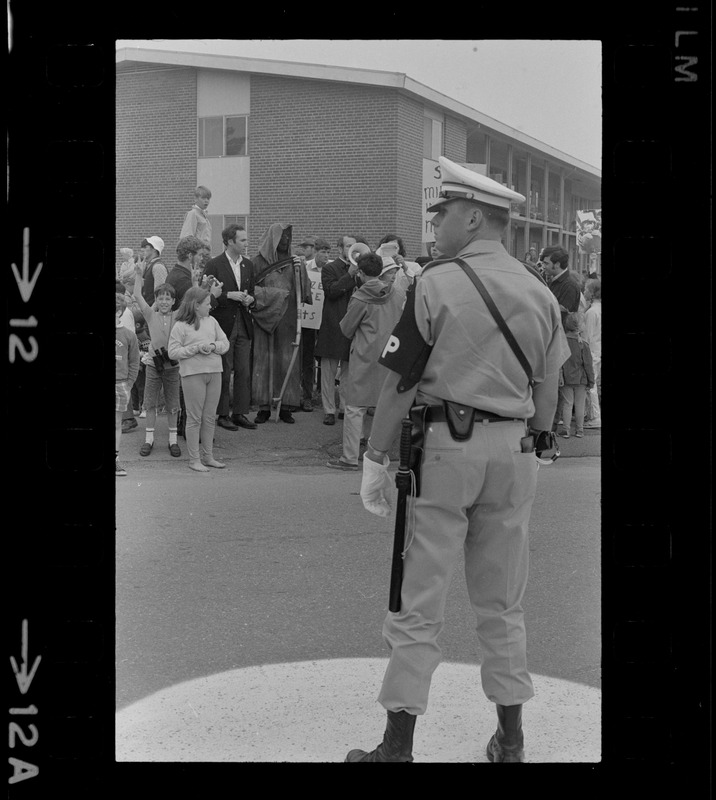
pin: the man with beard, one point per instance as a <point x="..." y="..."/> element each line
<point x="275" y="318"/>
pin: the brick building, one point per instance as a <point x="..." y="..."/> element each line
<point x="331" y="150"/>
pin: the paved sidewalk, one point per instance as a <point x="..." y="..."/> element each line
<point x="316" y="711"/>
<point x="308" y="441"/>
<point x="284" y="709"/>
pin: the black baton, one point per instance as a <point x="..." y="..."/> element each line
<point x="402" y="482"/>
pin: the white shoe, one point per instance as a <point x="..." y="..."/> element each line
<point x="143" y="414"/>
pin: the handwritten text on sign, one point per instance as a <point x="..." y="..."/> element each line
<point x="432" y="180"/>
<point x="311" y="315"/>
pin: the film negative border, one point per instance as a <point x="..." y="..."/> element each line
<point x="656" y="536"/>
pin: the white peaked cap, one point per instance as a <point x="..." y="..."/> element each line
<point x="460" y="182"/>
<point x="156" y="242"/>
<point x="388" y="264"/>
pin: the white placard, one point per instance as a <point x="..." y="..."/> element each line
<point x="431" y="189"/>
<point x="311" y="315"/>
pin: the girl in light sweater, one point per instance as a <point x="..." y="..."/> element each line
<point x="197" y="342"/>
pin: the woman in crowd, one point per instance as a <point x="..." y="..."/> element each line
<point x="593" y="337"/>
<point x="531" y="257"/>
<point x="197" y="342"/>
<point x="391" y="246"/>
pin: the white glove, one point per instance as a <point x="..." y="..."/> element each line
<point x="375" y="487"/>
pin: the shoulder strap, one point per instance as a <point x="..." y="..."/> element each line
<point x="499" y="319"/>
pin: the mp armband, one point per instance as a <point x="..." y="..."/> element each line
<point x="406" y="352"/>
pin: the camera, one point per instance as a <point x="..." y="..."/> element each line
<point x="161" y="360"/>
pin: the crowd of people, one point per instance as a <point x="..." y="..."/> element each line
<point x="218" y="337"/>
<point x="580" y="301"/>
<point x="492" y="381"/>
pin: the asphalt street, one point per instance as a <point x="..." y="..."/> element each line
<point x="273" y="561"/>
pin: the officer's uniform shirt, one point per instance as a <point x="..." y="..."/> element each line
<point x="471" y="361"/>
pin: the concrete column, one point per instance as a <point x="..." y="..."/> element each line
<point x="528" y="204"/>
<point x="508" y="230"/>
<point x="561" y="206"/>
<point x="545" y="189"/>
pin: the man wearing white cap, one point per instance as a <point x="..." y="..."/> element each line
<point x="154" y="273"/>
<point x="483" y="419"/>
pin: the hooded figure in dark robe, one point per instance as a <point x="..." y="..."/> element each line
<point x="275" y="318"/>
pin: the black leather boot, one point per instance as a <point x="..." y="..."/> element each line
<point x="507" y="745"/>
<point x="397" y="744"/>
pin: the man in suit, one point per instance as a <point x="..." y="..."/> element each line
<point x="232" y="311"/>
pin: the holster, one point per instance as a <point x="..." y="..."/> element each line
<point x="417" y="444"/>
<point x="460" y="420"/>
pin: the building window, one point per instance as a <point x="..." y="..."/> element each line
<point x="223" y="136"/>
<point x="218" y="223"/>
<point x="236" y="219"/>
<point x="237" y="135"/>
<point x="432" y="138"/>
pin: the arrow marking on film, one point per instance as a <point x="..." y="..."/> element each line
<point x="25" y="284"/>
<point x="21" y="675"/>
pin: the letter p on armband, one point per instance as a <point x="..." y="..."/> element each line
<point x="392" y="345"/>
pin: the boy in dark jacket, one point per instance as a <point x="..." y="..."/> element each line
<point x="578" y="376"/>
<point x="373" y="311"/>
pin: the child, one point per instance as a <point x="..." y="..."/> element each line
<point x="160" y="371"/>
<point x="126" y="269"/>
<point x="578" y="377"/>
<point x="127" y="320"/>
<point x="126" y="354"/>
<point x="153" y="270"/>
<point x="373" y="311"/>
<point x="196" y="222"/>
<point x="143" y="339"/>
<point x="197" y="342"/>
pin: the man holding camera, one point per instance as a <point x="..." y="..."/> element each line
<point x="231" y="311"/>
<point x="161" y="371"/>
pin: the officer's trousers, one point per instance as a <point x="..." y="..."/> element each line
<point x="476" y="495"/>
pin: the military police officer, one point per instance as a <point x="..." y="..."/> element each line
<point x="485" y="412"/>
